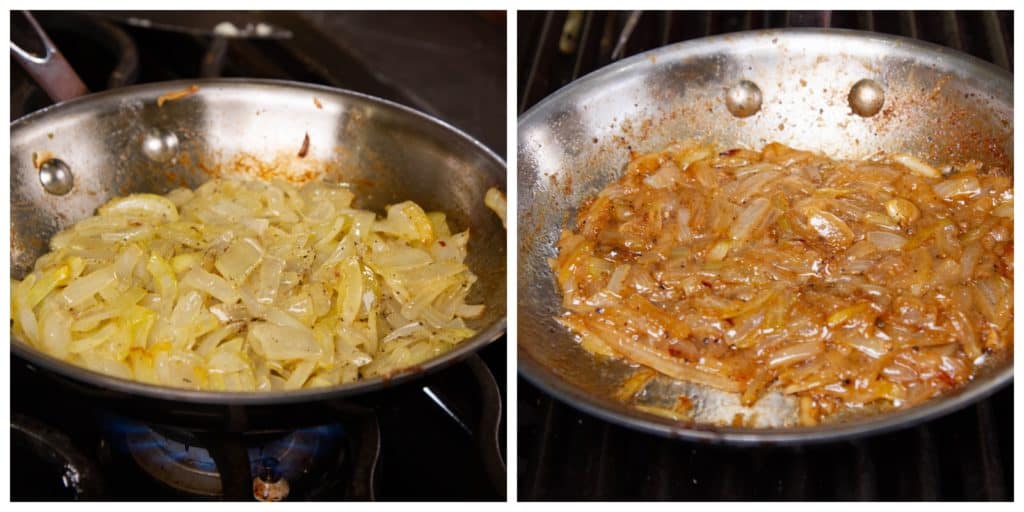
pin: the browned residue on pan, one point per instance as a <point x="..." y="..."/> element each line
<point x="941" y="120"/>
<point x="938" y="86"/>
<point x="316" y="101"/>
<point x="634" y="384"/>
<point x="684" y="404"/>
<point x="176" y="95"/>
<point x="174" y="177"/>
<point x="41" y="157"/>
<point x="304" y="150"/>
<point x="286" y="167"/>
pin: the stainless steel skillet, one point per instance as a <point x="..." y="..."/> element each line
<point x="744" y="89"/>
<point x="122" y="141"/>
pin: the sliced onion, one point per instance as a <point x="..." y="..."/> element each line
<point x="617" y="279"/>
<point x="902" y="211"/>
<point x="750" y="219"/>
<point x="917" y="166"/>
<point x="969" y="260"/>
<point x="142" y="204"/>
<point x="664" y="177"/>
<point x="957" y="188"/>
<point x="210" y="284"/>
<point x="283" y="343"/>
<point x="865" y="268"/>
<point x="886" y="241"/>
<point x="152" y="288"/>
<point x="872" y="347"/>
<point x="55" y="331"/>
<point x="719" y="251"/>
<point x="795" y="353"/>
<point x="241" y="258"/>
<point x="84" y="288"/>
<point x="1004" y="210"/>
<point x="832" y="229"/>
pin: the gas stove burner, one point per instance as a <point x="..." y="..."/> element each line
<point x="190" y="461"/>
<point x="47" y="465"/>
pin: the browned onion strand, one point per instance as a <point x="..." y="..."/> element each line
<point x="843" y="283"/>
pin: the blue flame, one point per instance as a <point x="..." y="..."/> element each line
<point x="301" y="445"/>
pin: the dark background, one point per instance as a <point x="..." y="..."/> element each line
<point x="566" y="454"/>
<point x="448" y="64"/>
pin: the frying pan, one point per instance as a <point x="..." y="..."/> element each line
<point x="743" y="89"/>
<point x="121" y="141"/>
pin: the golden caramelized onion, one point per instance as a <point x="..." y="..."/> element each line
<point x="843" y="283"/>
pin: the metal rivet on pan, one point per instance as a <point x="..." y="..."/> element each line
<point x="56" y="177"/>
<point x="743" y="99"/>
<point x="159" y="145"/>
<point x="866" y="97"/>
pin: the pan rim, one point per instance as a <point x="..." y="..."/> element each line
<point x="619" y="414"/>
<point x="859" y="35"/>
<point x="161" y="87"/>
<point x="565" y="391"/>
<point x="484" y="337"/>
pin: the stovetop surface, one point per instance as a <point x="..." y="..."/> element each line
<point x="451" y="65"/>
<point x="566" y="454"/>
<point x="431" y="440"/>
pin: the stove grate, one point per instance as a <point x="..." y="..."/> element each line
<point x="550" y="55"/>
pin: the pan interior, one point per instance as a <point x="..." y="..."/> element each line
<point x="939" y="104"/>
<point x="121" y="142"/>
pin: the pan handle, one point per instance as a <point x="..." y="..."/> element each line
<point x="51" y="71"/>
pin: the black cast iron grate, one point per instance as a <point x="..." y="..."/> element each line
<point x="551" y="56"/>
<point x="566" y="454"/>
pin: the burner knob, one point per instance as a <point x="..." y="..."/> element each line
<point x="268" y="484"/>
